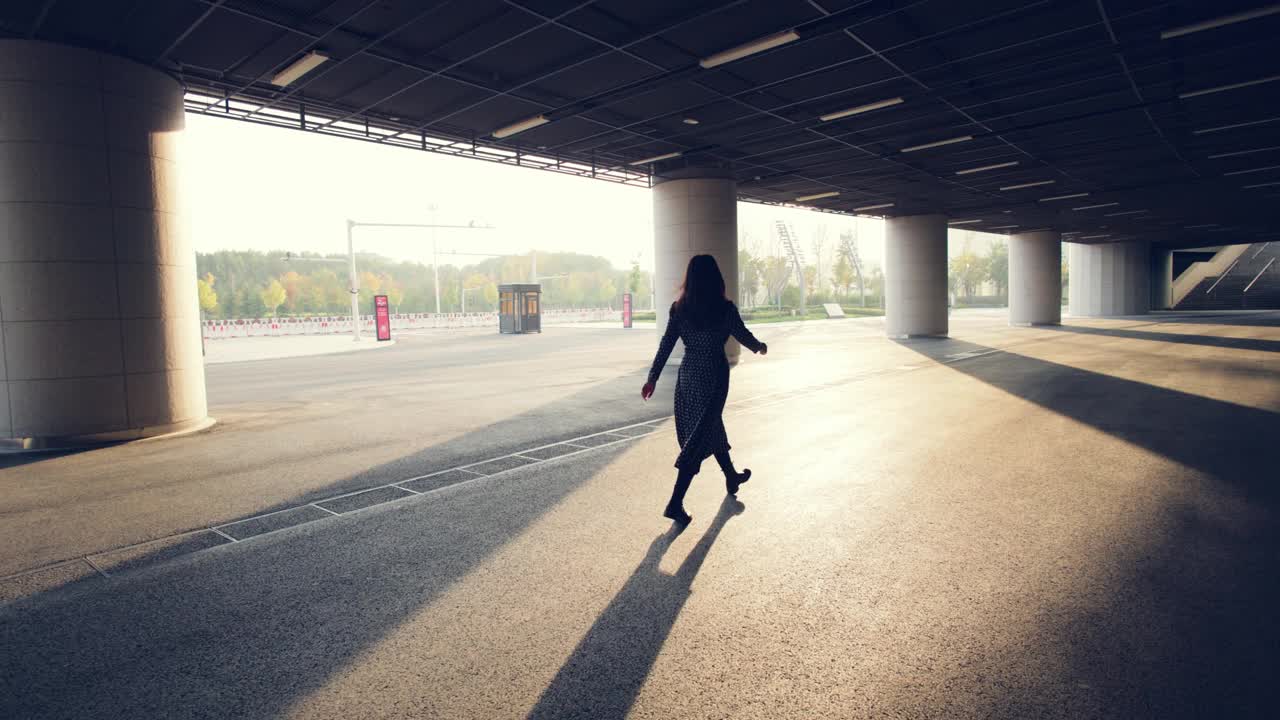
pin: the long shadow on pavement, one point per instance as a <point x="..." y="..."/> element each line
<point x="249" y="630"/>
<point x="604" y="674"/>
<point x="1188" y="339"/>
<point x="1189" y="628"/>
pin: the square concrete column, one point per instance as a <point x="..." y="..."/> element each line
<point x="1035" y="278"/>
<point x="1109" y="279"/>
<point x="99" y="322"/>
<point x="1161" y="279"/>
<point x="695" y="212"/>
<point x="915" y="276"/>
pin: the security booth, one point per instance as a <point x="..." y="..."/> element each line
<point x="520" y="308"/>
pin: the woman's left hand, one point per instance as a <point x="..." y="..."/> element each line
<point x="764" y="348"/>
<point x="647" y="391"/>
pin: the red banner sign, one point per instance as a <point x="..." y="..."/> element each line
<point x="626" y="310"/>
<point x="382" y="316"/>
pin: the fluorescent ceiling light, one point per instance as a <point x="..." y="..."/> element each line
<point x="1063" y="197"/>
<point x="690" y="121"/>
<point x="1220" y="21"/>
<point x="1233" y="127"/>
<point x="1224" y="88"/>
<point x="1091" y="207"/>
<point x="1043" y="229"/>
<point x="1258" y="185"/>
<point x="1027" y="185"/>
<point x="817" y="196"/>
<point x="656" y="158"/>
<point x="963" y="222"/>
<point x="519" y="127"/>
<point x="1126" y="212"/>
<point x="940" y="143"/>
<point x="987" y="167"/>
<point x="1244" y="152"/>
<point x="1246" y="172"/>
<point x="1094" y="237"/>
<point x="298" y="68"/>
<point x="751" y="48"/>
<point x="1002" y="227"/>
<point x="873" y="207"/>
<point x="861" y="109"/>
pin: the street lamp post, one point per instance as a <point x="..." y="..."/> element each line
<point x="351" y="253"/>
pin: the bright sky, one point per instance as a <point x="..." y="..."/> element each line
<point x="253" y="187"/>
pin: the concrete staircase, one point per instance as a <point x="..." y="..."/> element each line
<point x="1249" y="282"/>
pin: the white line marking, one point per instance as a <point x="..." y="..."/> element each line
<point x="94" y="565"/>
<point x="219" y="532"/>
<point x="322" y="508"/>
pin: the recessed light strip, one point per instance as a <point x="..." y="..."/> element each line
<point x="1002" y="227"/>
<point x="656" y="158"/>
<point x="1094" y="237"/>
<point x="1220" y="22"/>
<point x="1099" y="205"/>
<point x="1244" y="152"/>
<point x="987" y="167"/>
<point x="963" y="222"/>
<point x="519" y="127"/>
<point x="298" y="68"/>
<point x="1224" y="88"/>
<point x="1220" y="128"/>
<point x="1246" y="172"/>
<point x="1027" y="185"/>
<point x="1126" y="212"/>
<point x="873" y="207"/>
<point x="747" y="49"/>
<point x="861" y="109"/>
<point x="817" y="196"/>
<point x="940" y="143"/>
<point x="1258" y="185"/>
<point x="1063" y="197"/>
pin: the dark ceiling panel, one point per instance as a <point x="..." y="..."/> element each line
<point x="1081" y="92"/>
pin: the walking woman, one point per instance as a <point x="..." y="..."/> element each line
<point x="704" y="318"/>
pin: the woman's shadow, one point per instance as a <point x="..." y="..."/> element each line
<point x="603" y="676"/>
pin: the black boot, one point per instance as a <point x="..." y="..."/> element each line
<point x="732" y="478"/>
<point x="675" y="506"/>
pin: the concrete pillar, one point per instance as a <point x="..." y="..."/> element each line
<point x="99" y="322"/>
<point x="1035" y="278"/>
<point x="1109" y="279"/>
<point x="915" y="276"/>
<point x="1161" y="279"/>
<point x="695" y="212"/>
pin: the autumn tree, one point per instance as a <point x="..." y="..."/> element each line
<point x="208" y="296"/>
<point x="272" y="296"/>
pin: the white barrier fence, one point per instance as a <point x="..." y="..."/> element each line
<point x="337" y="324"/>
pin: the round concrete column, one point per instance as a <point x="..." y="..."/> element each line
<point x="695" y="212"/>
<point x="1035" y="278"/>
<point x="915" y="276"/>
<point x="99" y="322"/>
<point x="1161" y="279"/>
<point x="1108" y="279"/>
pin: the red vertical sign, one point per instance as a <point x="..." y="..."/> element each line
<point x="626" y="310"/>
<point x="382" y="316"/>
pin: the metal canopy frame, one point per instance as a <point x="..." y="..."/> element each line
<point x="1086" y="94"/>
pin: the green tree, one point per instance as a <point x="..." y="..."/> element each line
<point x="208" y="296"/>
<point x="272" y="296"/>
<point x="634" y="278"/>
<point x="842" y="275"/>
<point x="395" y="296"/>
<point x="998" y="266"/>
<point x="967" y="272"/>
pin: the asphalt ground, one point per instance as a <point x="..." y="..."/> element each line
<point x="1069" y="522"/>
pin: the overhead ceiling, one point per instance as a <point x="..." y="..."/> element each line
<point x="1174" y="139"/>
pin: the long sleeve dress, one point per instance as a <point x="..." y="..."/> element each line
<point x="703" y="382"/>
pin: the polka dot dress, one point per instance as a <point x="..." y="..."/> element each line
<point x="703" y="382"/>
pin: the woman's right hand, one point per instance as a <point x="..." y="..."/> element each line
<point x="646" y="392"/>
<point x="764" y="348"/>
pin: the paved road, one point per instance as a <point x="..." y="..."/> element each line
<point x="1012" y="523"/>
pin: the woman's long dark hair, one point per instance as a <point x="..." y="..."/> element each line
<point x="702" y="300"/>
